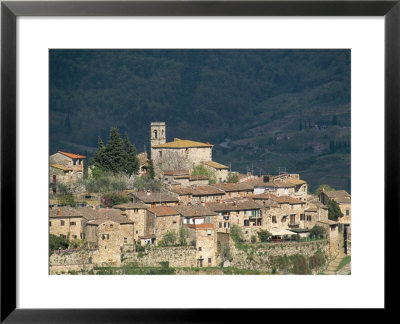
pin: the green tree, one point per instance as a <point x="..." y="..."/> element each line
<point x="151" y="174"/>
<point x="334" y="211"/>
<point x="264" y="236"/>
<point x="57" y="243"/>
<point x="317" y="231"/>
<point x="183" y="236"/>
<point x="131" y="159"/>
<point x="237" y="233"/>
<point x="326" y="187"/>
<point x="114" y="152"/>
<point x="233" y="177"/>
<point x="170" y="238"/>
<point x="201" y="170"/>
<point x="99" y="158"/>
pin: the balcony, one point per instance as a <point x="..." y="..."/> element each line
<point x="294" y="225"/>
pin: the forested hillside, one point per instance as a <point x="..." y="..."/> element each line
<point x="262" y="109"/>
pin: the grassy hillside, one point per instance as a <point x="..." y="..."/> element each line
<point x="269" y="109"/>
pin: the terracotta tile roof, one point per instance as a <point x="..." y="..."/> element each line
<point x="192" y="211"/>
<point x="155" y="197"/>
<point x="61" y="167"/>
<point x="279" y="199"/>
<point x="240" y="205"/>
<point x="178" y="143"/>
<point x="176" y="172"/>
<point x="131" y="205"/>
<point x="65" y="168"/>
<point x="232" y="187"/>
<point x="215" y="165"/>
<point x="57" y="212"/>
<point x="274" y="184"/>
<point x="72" y="155"/>
<point x="343" y="200"/>
<point x="198" y="190"/>
<point x="198" y="177"/>
<point x="163" y="211"/>
<point x="337" y="194"/>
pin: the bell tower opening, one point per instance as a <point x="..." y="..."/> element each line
<point x="157" y="131"/>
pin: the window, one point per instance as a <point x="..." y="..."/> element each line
<point x="82" y="236"/>
<point x="347" y="212"/>
<point x="49" y="223"/>
<point x="208" y="219"/>
<point x="75" y="236"/>
<point x="259" y="222"/>
<point x="273" y="219"/>
<point x="309" y="218"/>
<point x="302" y="217"/>
<point x="72" y="223"/>
<point x="160" y="153"/>
<point x="209" y="260"/>
<point x="105" y="247"/>
<point x="105" y="236"/>
<point x="155" y="133"/>
<point x="209" y="232"/>
<point x="246" y="222"/>
<point x="62" y="223"/>
<point x="125" y="240"/>
<point x="284" y="219"/>
<point x="136" y="210"/>
<point x="137" y="232"/>
<point x="74" y="162"/>
<point x="226" y="225"/>
<point x="220" y="224"/>
<point x="199" y="248"/>
<point x="111" y="225"/>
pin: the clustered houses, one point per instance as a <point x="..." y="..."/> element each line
<point x="279" y="204"/>
<point x="66" y="168"/>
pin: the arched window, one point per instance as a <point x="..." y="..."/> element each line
<point x="155" y="133"/>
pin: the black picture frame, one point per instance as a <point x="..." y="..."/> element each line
<point x="11" y="10"/>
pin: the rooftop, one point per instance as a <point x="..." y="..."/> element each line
<point x="215" y="165"/>
<point x="163" y="211"/>
<point x="278" y="199"/>
<point x="72" y="155"/>
<point x="131" y="205"/>
<point x="240" y="205"/>
<point x="154" y="197"/>
<point x="179" y="143"/>
<point x="231" y="187"/>
<point x="192" y="211"/>
<point x="337" y="194"/>
<point x="198" y="190"/>
<point x="176" y="172"/>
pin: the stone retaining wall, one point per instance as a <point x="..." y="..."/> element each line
<point x="180" y="256"/>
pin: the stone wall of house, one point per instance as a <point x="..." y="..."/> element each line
<point x="137" y="216"/>
<point x="181" y="256"/>
<point x="70" y="227"/>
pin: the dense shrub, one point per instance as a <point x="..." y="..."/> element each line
<point x="264" y="236"/>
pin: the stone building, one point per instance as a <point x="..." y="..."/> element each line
<point x="196" y="215"/>
<point x="236" y="190"/>
<point x="283" y="185"/>
<point x="334" y="237"/>
<point x="246" y="213"/>
<point x="206" y="244"/>
<point x="343" y="198"/>
<point x="66" y="168"/>
<point x="220" y="170"/>
<point x="163" y="219"/>
<point x="143" y="163"/>
<point x="135" y="212"/>
<point x="155" y="198"/>
<point x="198" y="194"/>
<point x="68" y="222"/>
<point x="109" y="236"/>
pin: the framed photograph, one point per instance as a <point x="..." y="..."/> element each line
<point x="240" y="147"/>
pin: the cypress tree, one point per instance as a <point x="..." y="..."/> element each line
<point x="99" y="157"/>
<point x="114" y="152"/>
<point x="151" y="172"/>
<point x="131" y="163"/>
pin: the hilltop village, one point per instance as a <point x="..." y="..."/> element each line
<point x="251" y="222"/>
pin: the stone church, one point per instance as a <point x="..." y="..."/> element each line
<point x="179" y="154"/>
